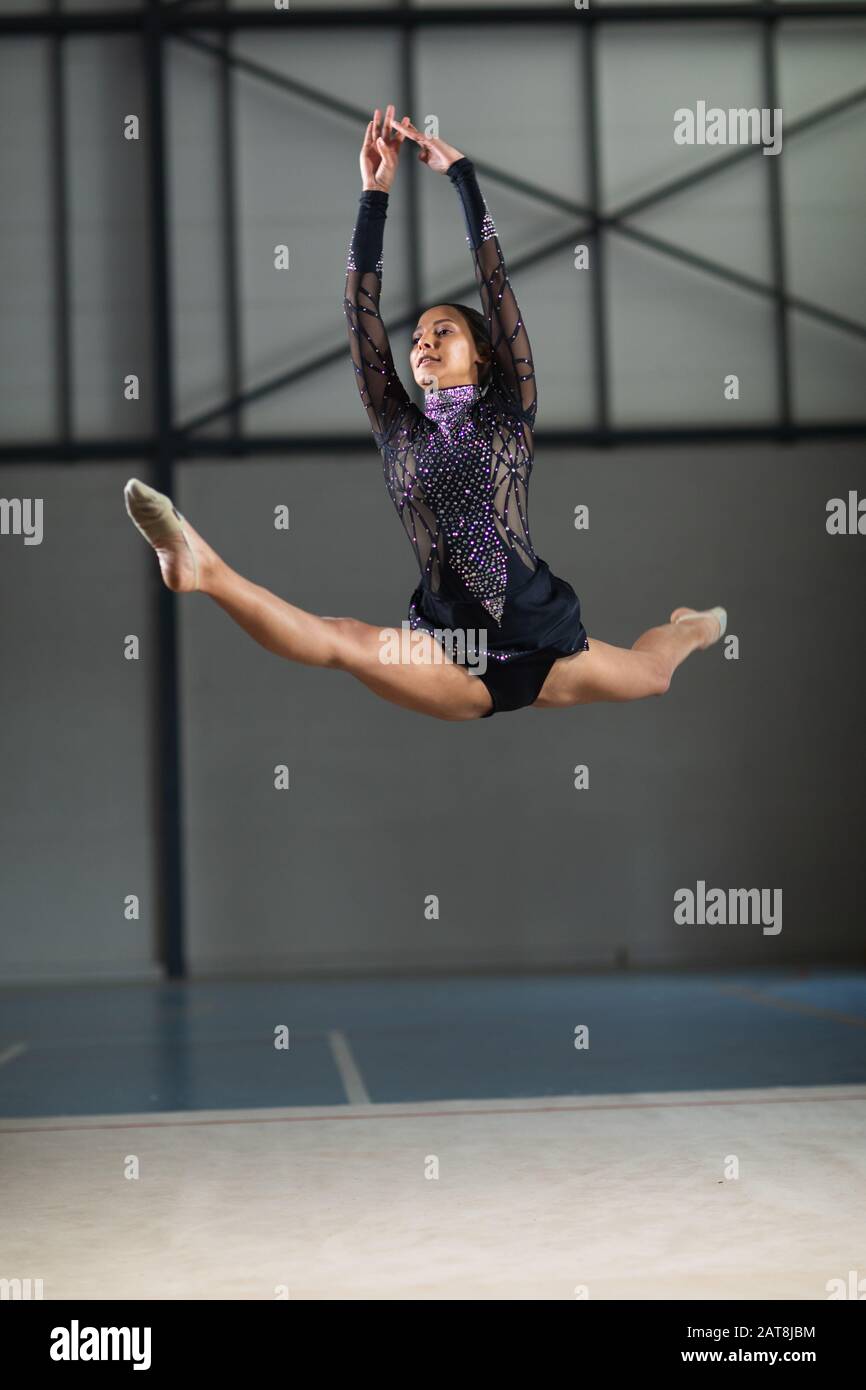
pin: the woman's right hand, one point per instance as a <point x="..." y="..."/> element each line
<point x="380" y="151"/>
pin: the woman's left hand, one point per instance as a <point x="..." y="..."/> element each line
<point x="435" y="153"/>
<point x="379" y="152"/>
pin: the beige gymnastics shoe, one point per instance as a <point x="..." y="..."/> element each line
<point x="162" y="525"/>
<point x="689" y="615"/>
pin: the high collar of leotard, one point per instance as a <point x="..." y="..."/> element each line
<point x="449" y="404"/>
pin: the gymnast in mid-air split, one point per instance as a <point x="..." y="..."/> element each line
<point x="458" y="474"/>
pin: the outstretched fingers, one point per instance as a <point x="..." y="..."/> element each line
<point x="405" y="127"/>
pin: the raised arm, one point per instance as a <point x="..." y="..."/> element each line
<point x="382" y="393"/>
<point x="513" y="374"/>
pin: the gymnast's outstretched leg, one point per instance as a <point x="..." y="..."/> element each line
<point x="605" y="672"/>
<point x="431" y="684"/>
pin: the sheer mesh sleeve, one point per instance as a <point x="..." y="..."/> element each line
<point x="513" y="375"/>
<point x="382" y="393"/>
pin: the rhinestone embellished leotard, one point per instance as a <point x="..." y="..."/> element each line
<point x="458" y="470"/>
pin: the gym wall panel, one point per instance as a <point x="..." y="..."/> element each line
<point x="385" y="807"/>
<point x="26" y="6"/>
<point x="109" y="255"/>
<point x="818" y="63"/>
<point x="77" y="742"/>
<point x="28" y="370"/>
<point x="198" y="232"/>
<point x="672" y="3"/>
<point x="299" y="185"/>
<point x="676" y="334"/>
<point x="95" y="6"/>
<point x="645" y="73"/>
<point x="724" y="219"/>
<point x="828" y="371"/>
<point x="499" y="117"/>
<point x="825" y="212"/>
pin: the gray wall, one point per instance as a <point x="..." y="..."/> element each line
<point x="77" y="750"/>
<point x="746" y="774"/>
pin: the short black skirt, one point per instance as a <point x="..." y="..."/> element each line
<point x="541" y="622"/>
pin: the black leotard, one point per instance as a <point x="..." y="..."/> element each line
<point x="458" y="470"/>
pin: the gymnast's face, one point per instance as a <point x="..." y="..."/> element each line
<point x="443" y="350"/>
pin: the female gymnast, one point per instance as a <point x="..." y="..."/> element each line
<point x="458" y="473"/>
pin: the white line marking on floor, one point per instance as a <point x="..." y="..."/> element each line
<point x="14" y="1051"/>
<point x="353" y="1082"/>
